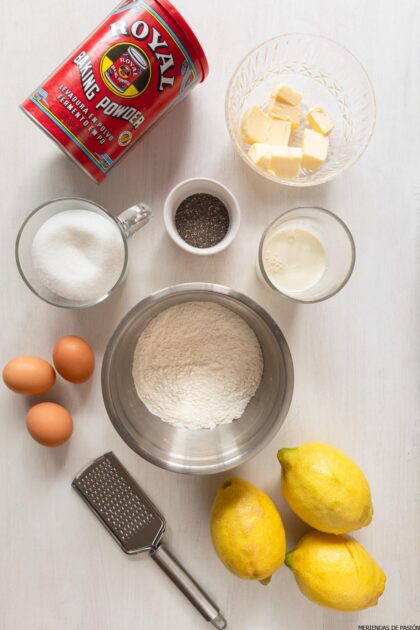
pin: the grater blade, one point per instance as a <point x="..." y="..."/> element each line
<point x="120" y="504"/>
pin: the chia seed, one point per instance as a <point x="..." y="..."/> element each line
<point x="202" y="220"/>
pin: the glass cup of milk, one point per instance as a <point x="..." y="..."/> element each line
<point x="307" y="254"/>
<point x="73" y="253"/>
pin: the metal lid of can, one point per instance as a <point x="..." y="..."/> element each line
<point x="189" y="34"/>
<point x="138" y="57"/>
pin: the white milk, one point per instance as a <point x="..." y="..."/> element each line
<point x="294" y="259"/>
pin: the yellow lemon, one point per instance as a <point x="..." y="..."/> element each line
<point x="325" y="488"/>
<point x="336" y="572"/>
<point x="247" y="531"/>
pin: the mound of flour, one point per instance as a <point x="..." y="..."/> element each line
<point x="197" y="365"/>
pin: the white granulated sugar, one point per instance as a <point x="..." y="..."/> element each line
<point x="78" y="255"/>
<point x="197" y="365"/>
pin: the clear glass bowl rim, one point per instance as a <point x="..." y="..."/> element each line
<point x="292" y="182"/>
<point x="32" y="288"/>
<point x="345" y="280"/>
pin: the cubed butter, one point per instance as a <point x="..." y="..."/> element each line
<point x="286" y="161"/>
<point x="279" y="132"/>
<point x="286" y="94"/>
<point x="314" y="149"/>
<point x="255" y="125"/>
<point x="284" y="111"/>
<point x="260" y="154"/>
<point x="319" y="120"/>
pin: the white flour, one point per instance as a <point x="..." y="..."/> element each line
<point x="197" y="365"/>
<point x="78" y="255"/>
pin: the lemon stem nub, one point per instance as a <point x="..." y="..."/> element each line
<point x="282" y="456"/>
<point x="266" y="581"/>
<point x="288" y="559"/>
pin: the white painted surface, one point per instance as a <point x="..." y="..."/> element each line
<point x="356" y="356"/>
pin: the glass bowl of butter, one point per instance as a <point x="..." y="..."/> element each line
<point x="300" y="109"/>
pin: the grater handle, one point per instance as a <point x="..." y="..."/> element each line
<point x="188" y="586"/>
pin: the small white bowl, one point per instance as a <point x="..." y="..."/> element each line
<point x="211" y="187"/>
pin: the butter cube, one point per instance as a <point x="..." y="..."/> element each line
<point x="255" y="125"/>
<point x="314" y="149"/>
<point x="284" y="111"/>
<point x="260" y="154"/>
<point x="319" y="120"/>
<point x="279" y="132"/>
<point x="286" y="94"/>
<point x="286" y="161"/>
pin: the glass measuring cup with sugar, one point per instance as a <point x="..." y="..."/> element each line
<point x="73" y="253"/>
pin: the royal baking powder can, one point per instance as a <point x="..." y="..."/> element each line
<point x="122" y="79"/>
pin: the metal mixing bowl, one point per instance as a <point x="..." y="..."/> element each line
<point x="199" y="451"/>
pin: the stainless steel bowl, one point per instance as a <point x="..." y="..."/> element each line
<point x="202" y="451"/>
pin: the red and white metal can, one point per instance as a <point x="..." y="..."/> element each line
<point x="123" y="78"/>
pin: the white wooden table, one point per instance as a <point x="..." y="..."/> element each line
<point x="356" y="356"/>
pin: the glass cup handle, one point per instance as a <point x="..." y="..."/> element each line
<point x="134" y="218"/>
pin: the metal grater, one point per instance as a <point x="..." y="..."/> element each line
<point x="135" y="523"/>
<point x="120" y="504"/>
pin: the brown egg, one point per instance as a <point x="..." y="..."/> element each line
<point x="29" y="375"/>
<point x="74" y="359"/>
<point x="49" y="424"/>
